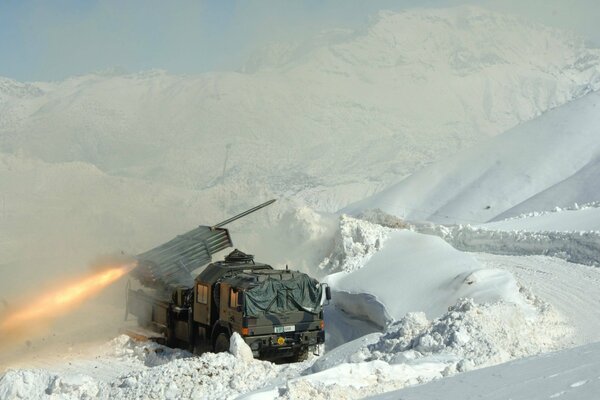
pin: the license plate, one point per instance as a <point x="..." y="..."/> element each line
<point x="287" y="328"/>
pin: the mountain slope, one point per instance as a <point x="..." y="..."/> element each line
<point x="328" y="121"/>
<point x="560" y="148"/>
<point x="577" y="188"/>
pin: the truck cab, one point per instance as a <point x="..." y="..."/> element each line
<point x="279" y="313"/>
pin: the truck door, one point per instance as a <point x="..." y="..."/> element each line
<point x="231" y="306"/>
<point x="202" y="302"/>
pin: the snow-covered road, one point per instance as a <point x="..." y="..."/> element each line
<point x="573" y="289"/>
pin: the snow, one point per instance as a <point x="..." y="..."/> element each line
<point x="411" y="88"/>
<point x="239" y="349"/>
<point x="486" y="181"/>
<point x="571" y="289"/>
<point x="416" y="272"/>
<point x="354" y="244"/>
<point x="569" y="374"/>
<point x="578" y="220"/>
<point x="506" y="322"/>
<point x="415" y="350"/>
<point x="578" y="247"/>
<point x="444" y="115"/>
<point x="145" y="370"/>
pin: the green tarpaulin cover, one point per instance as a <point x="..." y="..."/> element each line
<point x="299" y="293"/>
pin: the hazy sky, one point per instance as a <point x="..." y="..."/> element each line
<point x="51" y="40"/>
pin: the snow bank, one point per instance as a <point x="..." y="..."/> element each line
<point x="415" y="272"/>
<point x="572" y="219"/>
<point x="215" y="376"/>
<point x="26" y="384"/>
<point x="468" y="335"/>
<point x="415" y="350"/>
<point x="354" y="244"/>
<point x="471" y="335"/>
<point x="576" y="247"/>
<point x="145" y="370"/>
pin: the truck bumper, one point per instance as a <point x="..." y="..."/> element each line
<point x="285" y="344"/>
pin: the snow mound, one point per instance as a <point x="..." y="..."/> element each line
<point x="208" y="376"/>
<point x="150" y="354"/>
<point x="475" y="335"/>
<point x="145" y="370"/>
<point x="239" y="349"/>
<point x="354" y="244"/>
<point x="415" y="350"/>
<point x="42" y="384"/>
<point x="411" y="272"/>
<point x="24" y="384"/>
<point x="173" y="374"/>
<point x="468" y="335"/>
<point x="416" y="272"/>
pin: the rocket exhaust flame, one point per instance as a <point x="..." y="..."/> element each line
<point x="55" y="303"/>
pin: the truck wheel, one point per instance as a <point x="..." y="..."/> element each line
<point x="221" y="343"/>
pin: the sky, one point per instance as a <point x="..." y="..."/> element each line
<point x="52" y="40"/>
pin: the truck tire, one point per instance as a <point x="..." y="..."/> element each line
<point x="221" y="343"/>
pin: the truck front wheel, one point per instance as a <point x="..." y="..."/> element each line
<point x="221" y="343"/>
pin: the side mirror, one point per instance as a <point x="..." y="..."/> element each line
<point x="327" y="292"/>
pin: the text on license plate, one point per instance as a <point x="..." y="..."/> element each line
<point x="287" y="328"/>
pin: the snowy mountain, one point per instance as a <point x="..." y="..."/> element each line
<point x="547" y="162"/>
<point x="330" y="121"/>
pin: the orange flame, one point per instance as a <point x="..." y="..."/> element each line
<point x="51" y="305"/>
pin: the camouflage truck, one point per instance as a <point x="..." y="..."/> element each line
<point x="278" y="312"/>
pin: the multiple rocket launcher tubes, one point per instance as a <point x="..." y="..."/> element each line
<point x="171" y="264"/>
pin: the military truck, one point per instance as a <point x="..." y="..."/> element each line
<point x="278" y="312"/>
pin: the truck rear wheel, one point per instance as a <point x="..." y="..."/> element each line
<point x="221" y="343"/>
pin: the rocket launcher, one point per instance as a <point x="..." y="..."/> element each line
<point x="171" y="263"/>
